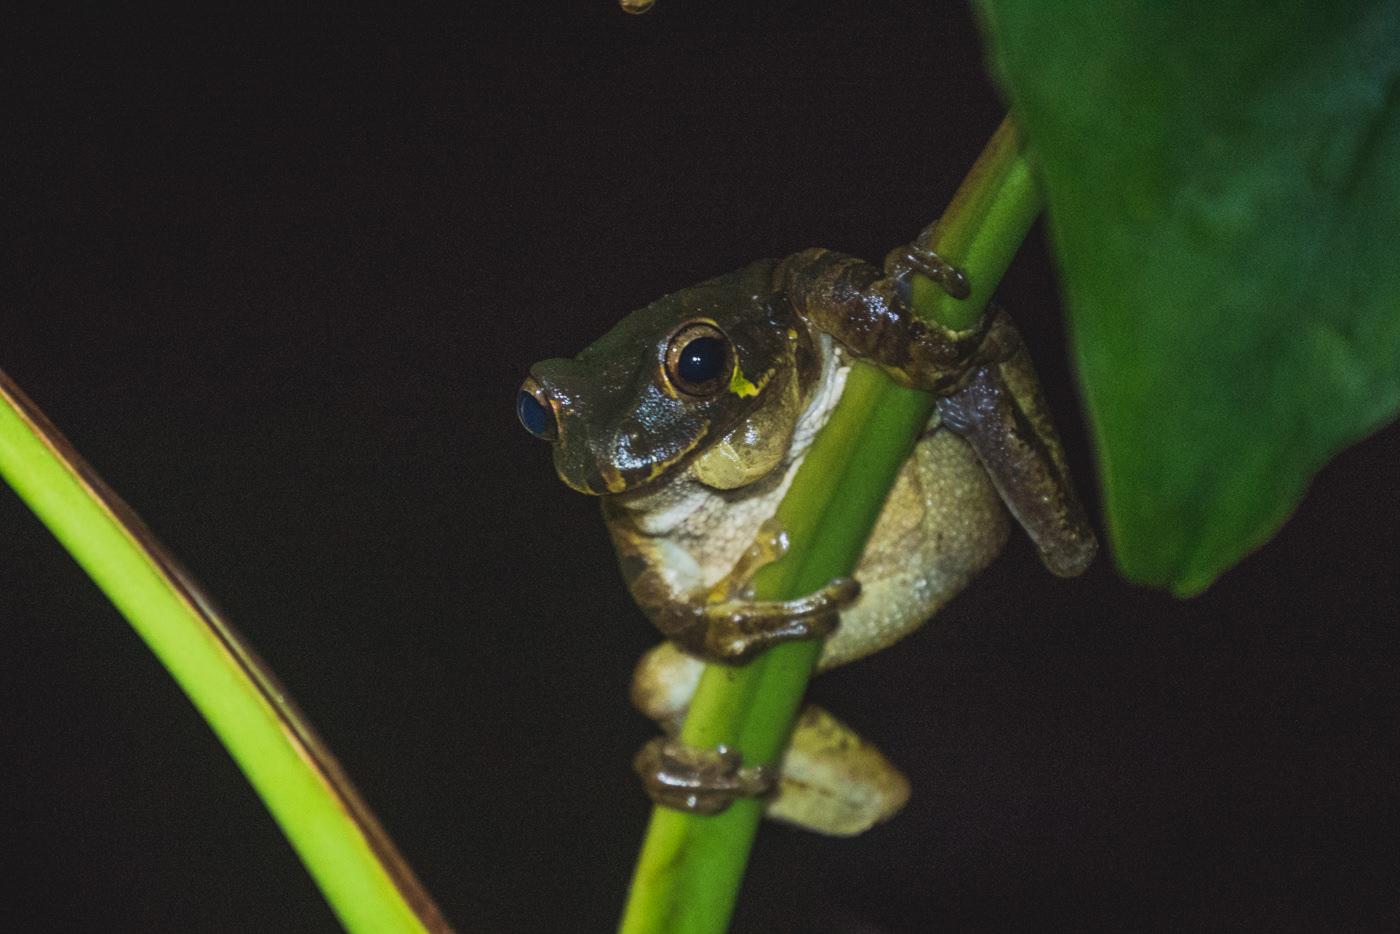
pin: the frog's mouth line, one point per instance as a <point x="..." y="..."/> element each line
<point x="619" y="481"/>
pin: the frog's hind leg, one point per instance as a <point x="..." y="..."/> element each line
<point x="663" y="684"/>
<point x="833" y="781"/>
<point x="830" y="780"/>
<point x="1002" y="414"/>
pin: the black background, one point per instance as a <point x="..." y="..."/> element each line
<point x="278" y="279"/>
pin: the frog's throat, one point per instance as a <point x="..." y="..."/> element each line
<point x="830" y="385"/>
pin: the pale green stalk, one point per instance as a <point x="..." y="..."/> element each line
<point x="367" y="884"/>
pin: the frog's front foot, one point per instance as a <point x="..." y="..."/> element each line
<point x="736" y="630"/>
<point x="699" y="780"/>
<point x="916" y="257"/>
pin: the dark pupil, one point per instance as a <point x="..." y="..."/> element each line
<point x="532" y="415"/>
<point x="700" y="360"/>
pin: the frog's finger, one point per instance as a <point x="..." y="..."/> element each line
<point x="738" y="630"/>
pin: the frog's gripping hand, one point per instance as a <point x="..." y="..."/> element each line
<point x="989" y="392"/>
<point x="702" y="781"/>
<point x="723" y="623"/>
<point x="830" y="780"/>
<point x="733" y="631"/>
<point x="867" y="310"/>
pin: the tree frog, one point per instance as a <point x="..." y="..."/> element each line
<point x="689" y="420"/>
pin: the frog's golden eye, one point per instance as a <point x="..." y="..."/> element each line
<point x="699" y="359"/>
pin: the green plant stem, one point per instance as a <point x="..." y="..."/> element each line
<point x="341" y="844"/>
<point x="689" y="870"/>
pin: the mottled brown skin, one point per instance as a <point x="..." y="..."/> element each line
<point x="690" y="475"/>
<point x="866" y="310"/>
<point x="1002" y="414"/>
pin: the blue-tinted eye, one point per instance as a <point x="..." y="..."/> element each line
<point x="701" y="360"/>
<point x="537" y="419"/>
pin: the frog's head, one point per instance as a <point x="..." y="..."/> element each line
<point x="714" y="377"/>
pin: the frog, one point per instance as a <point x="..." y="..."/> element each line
<point x="689" y="420"/>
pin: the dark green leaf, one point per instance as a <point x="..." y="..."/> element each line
<point x="1223" y="182"/>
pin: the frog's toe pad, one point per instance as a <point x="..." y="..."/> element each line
<point x="696" y="779"/>
<point x="918" y="258"/>
<point x="842" y="591"/>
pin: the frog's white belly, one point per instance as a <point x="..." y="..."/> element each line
<point x="942" y="524"/>
<point x="697" y="532"/>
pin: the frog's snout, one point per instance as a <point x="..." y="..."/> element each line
<point x="610" y="431"/>
<point x="550" y="410"/>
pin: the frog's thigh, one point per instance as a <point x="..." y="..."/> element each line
<point x="942" y="524"/>
<point x="663" y="684"/>
<point x="832" y="781"/>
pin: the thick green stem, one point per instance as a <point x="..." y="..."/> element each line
<point x="688" y="874"/>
